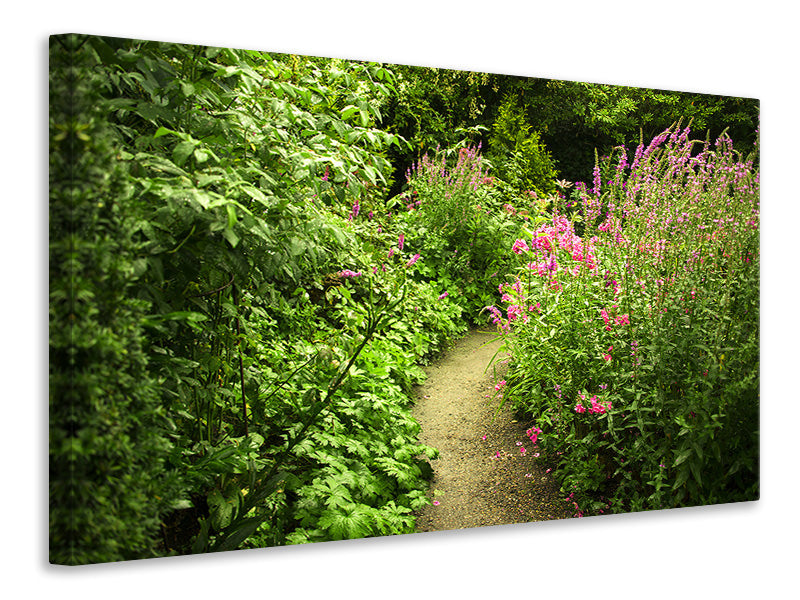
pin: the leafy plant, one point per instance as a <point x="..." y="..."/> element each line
<point x="635" y="346"/>
<point x="109" y="481"/>
<point x="243" y="287"/>
<point x="520" y="158"/>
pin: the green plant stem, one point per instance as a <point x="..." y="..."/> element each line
<point x="241" y="362"/>
<point x="233" y="532"/>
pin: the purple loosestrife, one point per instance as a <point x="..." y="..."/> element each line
<point x="519" y="247"/>
<point x="597" y="181"/>
<point x="348" y="273"/>
<point x="414" y="259"/>
<point x="355" y="210"/>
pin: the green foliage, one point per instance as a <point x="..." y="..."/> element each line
<point x="109" y="483"/>
<point x="576" y="118"/>
<point x="520" y="159"/>
<point x="456" y="215"/>
<point x="231" y="187"/>
<point x="636" y="345"/>
<point x="240" y="299"/>
<point x="436" y="109"/>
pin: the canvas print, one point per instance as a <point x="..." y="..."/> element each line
<point x="300" y="299"/>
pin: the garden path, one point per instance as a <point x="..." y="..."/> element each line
<point x="479" y="481"/>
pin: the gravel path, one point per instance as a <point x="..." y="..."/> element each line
<point x="479" y="482"/>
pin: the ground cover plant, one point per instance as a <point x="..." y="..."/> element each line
<point x="253" y="254"/>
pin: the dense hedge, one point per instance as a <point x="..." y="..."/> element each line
<point x="109" y="484"/>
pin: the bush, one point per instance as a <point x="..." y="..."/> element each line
<point x="519" y="158"/>
<point x="636" y="344"/>
<point x="456" y="216"/>
<point x="109" y="483"/>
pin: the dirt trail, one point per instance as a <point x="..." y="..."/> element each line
<point x="479" y="482"/>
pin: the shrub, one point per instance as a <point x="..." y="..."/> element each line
<point x="456" y="216"/>
<point x="109" y="481"/>
<point x="636" y="344"/>
<point x="519" y="157"/>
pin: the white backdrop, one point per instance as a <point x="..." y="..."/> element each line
<point x="713" y="47"/>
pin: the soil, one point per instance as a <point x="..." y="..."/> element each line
<point x="479" y="481"/>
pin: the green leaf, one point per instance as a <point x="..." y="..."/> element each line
<point x="162" y="131"/>
<point x="255" y="194"/>
<point x="347" y="111"/>
<point x="201" y="155"/>
<point x="182" y="151"/>
<point x="203" y="198"/>
<point x="238" y="534"/>
<point x="682" y="456"/>
<point x="232" y="238"/>
<point x="346" y="523"/>
<point x="205" y="179"/>
<point x="683" y="475"/>
<point x="201" y="542"/>
<point x="231" y="210"/>
<point x="221" y="508"/>
<point x="695" y="467"/>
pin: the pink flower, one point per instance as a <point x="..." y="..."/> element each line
<point x="596" y="408"/>
<point x="499" y="385"/>
<point x="436" y="503"/>
<point x="522" y="450"/>
<point x="414" y="259"/>
<point x="349" y="273"/>
<point x="401" y="240"/>
<point x="483" y="438"/>
<point x="579" y="408"/>
<point x="443" y="296"/>
<point x="519" y="247"/>
<point x="355" y="209"/>
<point x="514" y="311"/>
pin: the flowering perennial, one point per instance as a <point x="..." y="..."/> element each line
<point x="349" y="273"/>
<point x="664" y="269"/>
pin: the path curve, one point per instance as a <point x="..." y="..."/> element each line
<point x="479" y="482"/>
